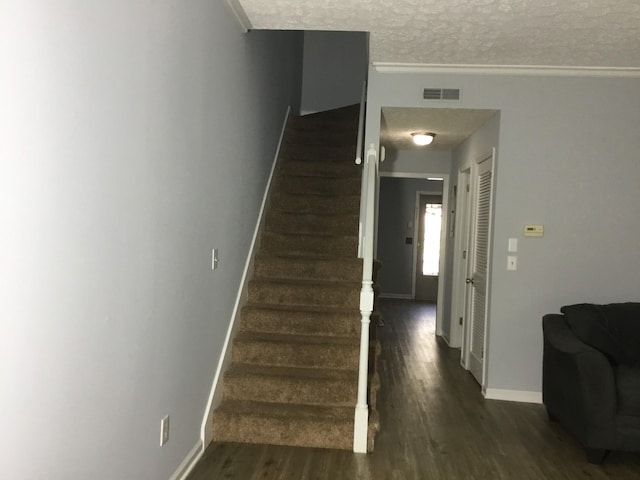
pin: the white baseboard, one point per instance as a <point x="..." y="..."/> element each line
<point x="513" y="395"/>
<point x="215" y="396"/>
<point x="401" y="296"/>
<point x="189" y="462"/>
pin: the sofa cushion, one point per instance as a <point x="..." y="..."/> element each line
<point x="613" y="329"/>
<point x="628" y="387"/>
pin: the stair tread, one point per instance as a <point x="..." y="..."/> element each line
<point x="315" y="258"/>
<point x="301" y="308"/>
<point x="305" y="282"/>
<point x="325" y="215"/>
<point x="296" y="339"/>
<point x="286" y="410"/>
<point x="302" y="373"/>
<point x="314" y="235"/>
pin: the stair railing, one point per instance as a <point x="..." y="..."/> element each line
<point x="365" y="251"/>
<point x="361" y="420"/>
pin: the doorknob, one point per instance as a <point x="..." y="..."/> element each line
<point x="469" y="280"/>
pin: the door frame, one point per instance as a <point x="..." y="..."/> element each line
<point x="462" y="229"/>
<point x="443" y="237"/>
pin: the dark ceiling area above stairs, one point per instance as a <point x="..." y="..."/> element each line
<point x="294" y="372"/>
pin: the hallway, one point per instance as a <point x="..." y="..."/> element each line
<point x="435" y="424"/>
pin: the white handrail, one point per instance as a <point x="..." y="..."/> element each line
<point x="363" y="100"/>
<point x="369" y="175"/>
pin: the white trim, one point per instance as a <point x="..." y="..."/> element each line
<point x="459" y="269"/>
<point x="528" y="70"/>
<point x="240" y="14"/>
<point x="412" y="175"/>
<point x="523" y="396"/>
<point x="400" y="296"/>
<point x="189" y="462"/>
<point x="215" y="396"/>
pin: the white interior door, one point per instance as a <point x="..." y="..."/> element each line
<point x="478" y="281"/>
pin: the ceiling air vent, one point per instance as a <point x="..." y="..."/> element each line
<point x="441" y="94"/>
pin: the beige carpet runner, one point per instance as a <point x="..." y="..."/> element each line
<point x="293" y="380"/>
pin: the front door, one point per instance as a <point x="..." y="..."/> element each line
<point x="429" y="216"/>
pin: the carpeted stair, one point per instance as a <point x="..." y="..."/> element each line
<point x="293" y="377"/>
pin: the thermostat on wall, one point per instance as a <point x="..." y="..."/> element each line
<point x="533" y="230"/>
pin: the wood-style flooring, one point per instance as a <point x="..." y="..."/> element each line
<point x="435" y="424"/>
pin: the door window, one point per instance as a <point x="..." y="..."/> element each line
<point x="431" y="239"/>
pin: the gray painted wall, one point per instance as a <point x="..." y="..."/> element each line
<point x="397" y="208"/>
<point x="568" y="159"/>
<point x="411" y="161"/>
<point x="135" y="137"/>
<point x="335" y="65"/>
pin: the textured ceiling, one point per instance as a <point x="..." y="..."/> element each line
<point x="451" y="126"/>
<point x="587" y="33"/>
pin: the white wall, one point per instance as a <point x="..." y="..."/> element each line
<point x="134" y="137"/>
<point x="568" y="159"/>
<point x="335" y="65"/>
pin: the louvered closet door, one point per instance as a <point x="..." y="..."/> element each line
<point x="480" y="261"/>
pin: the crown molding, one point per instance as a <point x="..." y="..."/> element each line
<point x="528" y="70"/>
<point x="240" y="14"/>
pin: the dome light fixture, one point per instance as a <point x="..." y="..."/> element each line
<point x="423" y="138"/>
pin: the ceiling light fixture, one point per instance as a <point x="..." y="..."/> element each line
<point x="423" y="138"/>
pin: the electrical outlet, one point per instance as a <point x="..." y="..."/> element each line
<point x="164" y="430"/>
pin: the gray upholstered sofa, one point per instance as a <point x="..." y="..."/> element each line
<point x="591" y="375"/>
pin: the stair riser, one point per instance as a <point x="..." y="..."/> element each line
<point x="266" y="292"/>
<point x="341" y="357"/>
<point x="320" y="169"/>
<point x="301" y="137"/>
<point x="309" y="245"/>
<point x="300" y="323"/>
<point x="289" y="390"/>
<point x="308" y="269"/>
<point x="319" y="152"/>
<point x="279" y="431"/>
<point x="316" y="204"/>
<point x="318" y="185"/>
<point x="312" y="224"/>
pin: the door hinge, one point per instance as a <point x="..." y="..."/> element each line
<point x="464" y="254"/>
<point x="468" y="188"/>
<point x="460" y="320"/>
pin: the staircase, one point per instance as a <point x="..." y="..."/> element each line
<point x="293" y="377"/>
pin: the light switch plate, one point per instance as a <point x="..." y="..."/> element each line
<point x="513" y="244"/>
<point x="512" y="262"/>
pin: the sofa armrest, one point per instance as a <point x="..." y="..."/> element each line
<point x="578" y="383"/>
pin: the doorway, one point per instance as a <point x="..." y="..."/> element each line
<point x="462" y="135"/>
<point x="398" y="239"/>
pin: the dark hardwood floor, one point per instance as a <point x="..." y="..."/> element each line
<point x="435" y="424"/>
